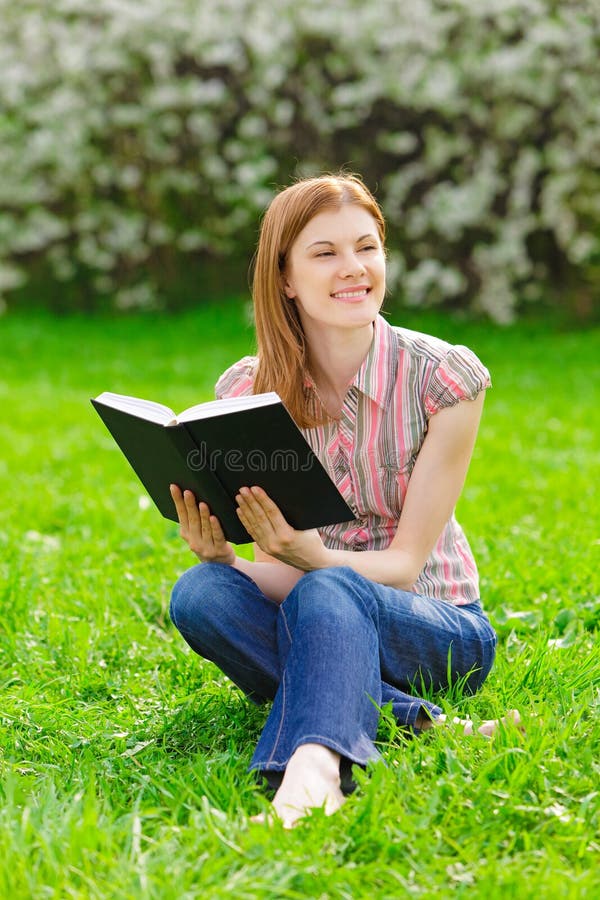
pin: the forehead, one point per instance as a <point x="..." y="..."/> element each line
<point x="349" y="222"/>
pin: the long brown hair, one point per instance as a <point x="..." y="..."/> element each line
<point x="281" y="343"/>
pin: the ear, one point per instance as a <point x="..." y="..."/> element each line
<point x="289" y="290"/>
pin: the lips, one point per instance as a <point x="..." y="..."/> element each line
<point x="354" y="293"/>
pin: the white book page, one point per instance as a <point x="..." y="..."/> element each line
<point x="164" y="415"/>
<point x="229" y="404"/>
<point x="143" y="409"/>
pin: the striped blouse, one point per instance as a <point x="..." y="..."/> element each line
<point x="370" y="451"/>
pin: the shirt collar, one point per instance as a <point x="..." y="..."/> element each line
<point x="376" y="376"/>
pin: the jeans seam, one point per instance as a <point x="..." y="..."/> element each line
<point x="283" y="680"/>
<point x="284" y="619"/>
<point x="281" y="719"/>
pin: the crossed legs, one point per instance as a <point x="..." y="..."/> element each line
<point x="329" y="657"/>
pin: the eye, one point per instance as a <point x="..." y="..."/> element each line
<point x="369" y="247"/>
<point x="325" y="253"/>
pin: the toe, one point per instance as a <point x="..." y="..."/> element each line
<point x="261" y="819"/>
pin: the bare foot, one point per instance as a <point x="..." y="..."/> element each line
<point x="487" y="728"/>
<point x="311" y="781"/>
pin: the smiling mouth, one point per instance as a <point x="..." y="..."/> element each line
<point x="351" y="295"/>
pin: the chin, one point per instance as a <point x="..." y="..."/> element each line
<point x="368" y="307"/>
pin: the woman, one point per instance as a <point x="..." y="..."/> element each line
<point x="332" y="624"/>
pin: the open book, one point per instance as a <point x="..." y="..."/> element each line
<point x="215" y="448"/>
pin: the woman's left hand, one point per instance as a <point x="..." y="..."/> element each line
<point x="263" y="520"/>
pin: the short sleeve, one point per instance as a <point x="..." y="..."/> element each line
<point x="460" y="375"/>
<point x="237" y="380"/>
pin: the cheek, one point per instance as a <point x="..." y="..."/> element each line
<point x="313" y="278"/>
<point x="380" y="269"/>
<point x="304" y="274"/>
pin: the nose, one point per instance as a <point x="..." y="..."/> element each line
<point x="351" y="265"/>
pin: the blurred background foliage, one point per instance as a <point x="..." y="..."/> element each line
<point x="141" y="142"/>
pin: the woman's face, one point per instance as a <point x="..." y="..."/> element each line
<point x="335" y="270"/>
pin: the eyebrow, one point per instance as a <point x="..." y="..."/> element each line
<point x="331" y="244"/>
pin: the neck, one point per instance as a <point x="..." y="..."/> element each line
<point x="334" y="359"/>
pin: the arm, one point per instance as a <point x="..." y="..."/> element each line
<point x="433" y="490"/>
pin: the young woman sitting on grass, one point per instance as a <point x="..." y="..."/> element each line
<point x="332" y="624"/>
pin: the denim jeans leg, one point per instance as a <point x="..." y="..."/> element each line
<point x="432" y="644"/>
<point x="406" y="707"/>
<point x="348" y="645"/>
<point x="330" y="689"/>
<point x="225" y="617"/>
<point x="338" y="649"/>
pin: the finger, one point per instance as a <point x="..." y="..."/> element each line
<point x="200" y="531"/>
<point x="204" y="524"/>
<point x="248" y="506"/>
<point x="191" y="506"/>
<point x="217" y="531"/>
<point x="266" y="508"/>
<point x="256" y="522"/>
<point x="248" y="523"/>
<point x="179" y="505"/>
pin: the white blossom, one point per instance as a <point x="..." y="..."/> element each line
<point x="131" y="129"/>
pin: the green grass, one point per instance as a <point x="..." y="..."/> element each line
<point x="123" y="757"/>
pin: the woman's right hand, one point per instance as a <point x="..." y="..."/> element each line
<point x="201" y="531"/>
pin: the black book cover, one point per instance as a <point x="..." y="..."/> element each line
<point x="216" y="455"/>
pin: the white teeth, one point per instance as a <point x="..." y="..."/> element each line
<point x="347" y="294"/>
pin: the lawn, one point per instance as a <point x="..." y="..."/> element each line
<point x="123" y="757"/>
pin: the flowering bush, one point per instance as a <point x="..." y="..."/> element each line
<point x="139" y="141"/>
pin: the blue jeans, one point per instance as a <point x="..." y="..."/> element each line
<point x="336" y="650"/>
